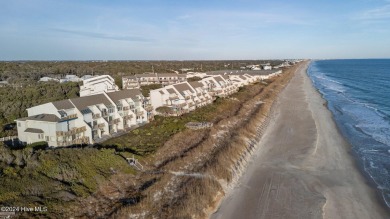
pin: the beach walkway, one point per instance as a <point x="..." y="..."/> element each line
<point x="302" y="167"/>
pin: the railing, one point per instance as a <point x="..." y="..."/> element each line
<point x="82" y="140"/>
<point x="127" y="117"/>
<point x="139" y="113"/>
<point x="98" y="126"/>
<point x="72" y="116"/>
<point x="149" y="108"/>
<point x="114" y="121"/>
<point x="180" y="104"/>
<point x="96" y="116"/>
<point x="72" y="131"/>
<point x="8" y="138"/>
<point x="173" y="97"/>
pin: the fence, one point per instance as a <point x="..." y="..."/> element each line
<point x="8" y="138"/>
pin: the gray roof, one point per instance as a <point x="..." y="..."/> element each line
<point x="63" y="104"/>
<point x="149" y="75"/>
<point x="167" y="75"/>
<point x="41" y="117"/>
<point x="239" y="72"/>
<point x="124" y="94"/>
<point x="82" y="103"/>
<point x="32" y="130"/>
<point x="195" y="84"/>
<point x="219" y="78"/>
<point x="171" y="91"/>
<point x="130" y="77"/>
<point x="183" y="87"/>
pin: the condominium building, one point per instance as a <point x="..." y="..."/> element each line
<point x="180" y="98"/>
<point x="138" y="80"/>
<point x="83" y="120"/>
<point x="97" y="85"/>
<point x="218" y="85"/>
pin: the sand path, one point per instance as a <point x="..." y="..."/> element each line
<point x="302" y="167"/>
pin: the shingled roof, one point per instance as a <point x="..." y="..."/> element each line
<point x="183" y="87"/>
<point x="195" y="84"/>
<point x="41" y="117"/>
<point x="63" y="104"/>
<point x="124" y="94"/>
<point x="82" y="103"/>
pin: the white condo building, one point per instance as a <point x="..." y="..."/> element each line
<point x="97" y="85"/>
<point x="138" y="80"/>
<point x="83" y="120"/>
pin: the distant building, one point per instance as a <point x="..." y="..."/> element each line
<point x="4" y="83"/>
<point x="70" y="78"/>
<point x="138" y="80"/>
<point x="267" y="67"/>
<point x="83" y="120"/>
<point x="47" y="79"/>
<point x="85" y="77"/>
<point x="97" y="85"/>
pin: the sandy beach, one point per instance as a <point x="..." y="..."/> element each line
<point x="302" y="167"/>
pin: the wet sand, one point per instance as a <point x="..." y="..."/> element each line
<point x="302" y="167"/>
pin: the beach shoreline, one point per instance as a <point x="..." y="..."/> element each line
<point x="302" y="166"/>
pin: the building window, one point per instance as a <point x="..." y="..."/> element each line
<point x="40" y="136"/>
<point x="111" y="110"/>
<point x="47" y="138"/>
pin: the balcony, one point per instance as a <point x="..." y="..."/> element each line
<point x="104" y="113"/>
<point x="180" y="104"/>
<point x="148" y="108"/>
<point x="69" y="117"/>
<point x="126" y="108"/>
<point x="127" y="117"/>
<point x="173" y="97"/>
<point x="187" y="97"/>
<point x="114" y="121"/>
<point x="99" y="126"/>
<point x="72" y="131"/>
<point x="139" y="113"/>
<point x="82" y="140"/>
<point x="96" y="116"/>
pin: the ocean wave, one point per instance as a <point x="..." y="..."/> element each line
<point x="356" y="95"/>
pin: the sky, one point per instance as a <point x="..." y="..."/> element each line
<point x="193" y="29"/>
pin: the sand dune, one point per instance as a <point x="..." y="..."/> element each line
<point x="302" y="167"/>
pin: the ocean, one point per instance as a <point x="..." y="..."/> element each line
<point x="358" y="95"/>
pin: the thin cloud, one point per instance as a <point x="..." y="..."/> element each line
<point x="97" y="35"/>
<point x="381" y="13"/>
